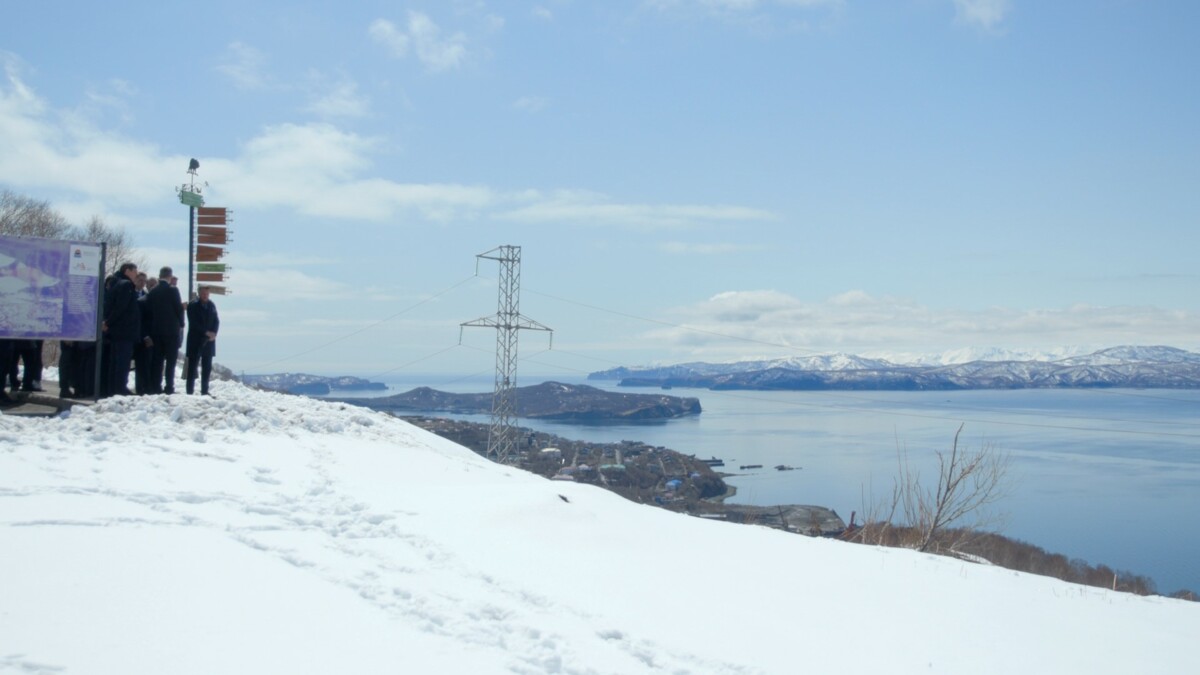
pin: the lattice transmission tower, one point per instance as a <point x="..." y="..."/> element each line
<point x="507" y="322"/>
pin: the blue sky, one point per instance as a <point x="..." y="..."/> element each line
<point x="688" y="179"/>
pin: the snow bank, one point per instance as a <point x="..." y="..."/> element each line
<point x="257" y="532"/>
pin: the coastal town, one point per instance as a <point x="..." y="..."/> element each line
<point x="642" y="473"/>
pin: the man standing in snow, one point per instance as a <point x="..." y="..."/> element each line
<point x="166" y="324"/>
<point x="122" y="326"/>
<point x="6" y="350"/>
<point x="203" y="324"/>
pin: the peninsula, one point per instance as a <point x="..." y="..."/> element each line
<point x="548" y="401"/>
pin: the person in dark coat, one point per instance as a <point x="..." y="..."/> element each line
<point x="30" y="352"/>
<point x="143" y="349"/>
<point x="67" y="381"/>
<point x="166" y="325"/>
<point x="203" y="324"/>
<point x="123" y="326"/>
<point x="6" y="350"/>
<point x="83" y="360"/>
<point x="12" y="364"/>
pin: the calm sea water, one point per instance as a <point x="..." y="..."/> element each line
<point x="1108" y="476"/>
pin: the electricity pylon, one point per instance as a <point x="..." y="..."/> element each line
<point x="507" y="322"/>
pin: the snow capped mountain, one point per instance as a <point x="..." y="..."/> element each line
<point x="1133" y="354"/>
<point x="1126" y="366"/>
<point x="969" y="354"/>
<point x="837" y="361"/>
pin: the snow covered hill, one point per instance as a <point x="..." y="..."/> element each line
<point x="263" y="533"/>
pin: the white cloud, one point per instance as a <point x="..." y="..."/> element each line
<point x="113" y="97"/>
<point x="424" y="38"/>
<point x="244" y="65"/>
<point x="282" y="285"/>
<point x="732" y="6"/>
<point x="743" y="324"/>
<point x="530" y="104"/>
<point x="41" y="147"/>
<point x="987" y="14"/>
<point x="342" y="100"/>
<point x="154" y="258"/>
<point x="316" y="169"/>
<point x="277" y="259"/>
<point x="694" y="248"/>
<point x="759" y="17"/>
<point x="386" y="33"/>
<point x="587" y="208"/>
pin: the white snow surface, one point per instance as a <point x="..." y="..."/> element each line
<point x="263" y="533"/>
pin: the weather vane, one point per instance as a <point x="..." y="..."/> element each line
<point x="189" y="193"/>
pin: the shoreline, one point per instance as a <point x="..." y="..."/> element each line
<point x="716" y="506"/>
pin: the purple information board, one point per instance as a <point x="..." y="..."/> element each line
<point x="49" y="288"/>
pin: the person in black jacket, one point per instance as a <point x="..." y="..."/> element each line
<point x="122" y="326"/>
<point x="203" y="324"/>
<point x="6" y="350"/>
<point x="166" y="325"/>
<point x="143" y="350"/>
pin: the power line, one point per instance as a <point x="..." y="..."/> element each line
<point x="414" y="362"/>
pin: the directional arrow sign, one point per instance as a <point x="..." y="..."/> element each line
<point x="209" y="253"/>
<point x="211" y="267"/>
<point x="211" y="215"/>
<point x="210" y="276"/>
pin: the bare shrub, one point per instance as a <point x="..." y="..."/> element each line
<point x="968" y="482"/>
<point x="119" y="247"/>
<point x="941" y="516"/>
<point x="22" y="216"/>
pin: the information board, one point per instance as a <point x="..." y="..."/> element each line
<point x="49" y="288"/>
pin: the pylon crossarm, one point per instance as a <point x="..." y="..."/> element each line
<point x="485" y="322"/>
<point x="527" y="323"/>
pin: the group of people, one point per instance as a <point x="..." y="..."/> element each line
<point x="143" y="324"/>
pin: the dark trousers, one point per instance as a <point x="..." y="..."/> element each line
<point x="204" y="363"/>
<point x="142" y="356"/>
<point x="105" y="356"/>
<point x="31" y="355"/>
<point x="122" y="353"/>
<point x="67" y="384"/>
<point x="83" y="360"/>
<point x="12" y="364"/>
<point x="165" y="354"/>
<point x="6" y="350"/>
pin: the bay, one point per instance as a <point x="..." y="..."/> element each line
<point x="1108" y="476"/>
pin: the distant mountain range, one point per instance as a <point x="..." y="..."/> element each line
<point x="1127" y="366"/>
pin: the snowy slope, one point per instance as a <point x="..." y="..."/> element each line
<point x="262" y="533"/>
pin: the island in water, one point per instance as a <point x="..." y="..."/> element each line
<point x="310" y="385"/>
<point x="548" y="401"/>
